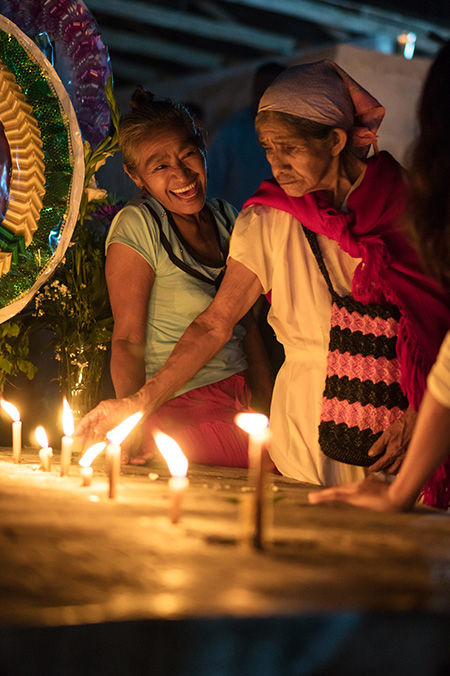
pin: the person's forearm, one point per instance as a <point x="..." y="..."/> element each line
<point x="127" y="367"/>
<point x="428" y="448"/>
<point x="207" y="334"/>
<point x="199" y="343"/>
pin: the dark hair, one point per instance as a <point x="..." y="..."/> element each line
<point x="148" y="116"/>
<point x="429" y="182"/>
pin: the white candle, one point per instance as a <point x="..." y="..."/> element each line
<point x="16" y="429"/>
<point x="86" y="475"/>
<point x="178" y="467"/>
<point x="66" y="441"/>
<point x="178" y="486"/>
<point x="17" y="440"/>
<point x="255" y="424"/>
<point x="66" y="454"/>
<point x="113" y="458"/>
<point x="46" y="453"/>
<point x="86" y="460"/>
<point x="115" y="438"/>
<point x="45" y="456"/>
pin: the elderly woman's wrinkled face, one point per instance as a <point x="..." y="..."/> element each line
<point x="172" y="170"/>
<point x="299" y="166"/>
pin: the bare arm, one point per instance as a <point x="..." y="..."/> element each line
<point x="130" y="280"/>
<point x="203" y="338"/>
<point x="206" y="335"/>
<point x="429" y="446"/>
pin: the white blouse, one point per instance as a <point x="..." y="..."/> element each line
<point x="273" y="246"/>
<point x="438" y="382"/>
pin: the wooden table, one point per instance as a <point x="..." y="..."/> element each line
<point x="93" y="584"/>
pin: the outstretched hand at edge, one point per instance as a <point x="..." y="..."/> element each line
<point x="104" y="417"/>
<point x="370" y="493"/>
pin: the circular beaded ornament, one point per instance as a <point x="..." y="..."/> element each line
<point x="41" y="169"/>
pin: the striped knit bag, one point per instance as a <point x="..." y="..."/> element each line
<point x="362" y="395"/>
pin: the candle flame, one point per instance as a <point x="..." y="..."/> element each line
<point x="252" y="423"/>
<point x="11" y="410"/>
<point x="88" y="458"/>
<point x="41" y="437"/>
<point x="172" y="454"/>
<point x="119" y="433"/>
<point x="68" y="422"/>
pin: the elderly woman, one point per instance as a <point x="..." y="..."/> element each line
<point x="427" y="464"/>
<point x="322" y="234"/>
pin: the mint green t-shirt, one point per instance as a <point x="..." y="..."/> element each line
<point x="176" y="297"/>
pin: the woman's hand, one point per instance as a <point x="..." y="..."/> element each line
<point x="104" y="417"/>
<point x="371" y="493"/>
<point x="393" y="444"/>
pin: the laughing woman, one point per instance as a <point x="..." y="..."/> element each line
<point x="166" y="253"/>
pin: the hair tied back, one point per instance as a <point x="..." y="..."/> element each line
<point x="141" y="99"/>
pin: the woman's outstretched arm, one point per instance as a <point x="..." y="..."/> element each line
<point x="207" y="334"/>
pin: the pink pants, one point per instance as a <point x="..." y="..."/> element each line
<point x="202" y="422"/>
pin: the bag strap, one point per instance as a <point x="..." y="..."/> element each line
<point x="385" y="311"/>
<point x="315" y="248"/>
<point x="177" y="261"/>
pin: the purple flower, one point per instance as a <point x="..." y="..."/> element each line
<point x="108" y="211"/>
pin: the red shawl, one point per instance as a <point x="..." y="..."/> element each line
<point x="390" y="270"/>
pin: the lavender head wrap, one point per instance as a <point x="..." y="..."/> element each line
<point x="323" y="92"/>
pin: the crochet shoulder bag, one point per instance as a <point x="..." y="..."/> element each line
<point x="362" y="395"/>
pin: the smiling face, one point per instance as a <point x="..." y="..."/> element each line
<point x="173" y="170"/>
<point x="299" y="165"/>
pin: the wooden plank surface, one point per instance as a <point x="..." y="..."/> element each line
<point x="71" y="556"/>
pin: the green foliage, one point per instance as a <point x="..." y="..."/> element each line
<point x="94" y="159"/>
<point x="74" y="303"/>
<point x="14" y="352"/>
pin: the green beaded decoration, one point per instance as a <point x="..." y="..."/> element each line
<point x="28" y="263"/>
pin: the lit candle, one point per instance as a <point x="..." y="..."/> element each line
<point x="255" y="424"/>
<point x="115" y="438"/>
<point x="86" y="461"/>
<point x="46" y="453"/>
<point x="67" y="441"/>
<point x="16" y="429"/>
<point x="178" y="467"/>
<point x="86" y="474"/>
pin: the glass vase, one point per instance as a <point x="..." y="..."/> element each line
<point x="84" y="369"/>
